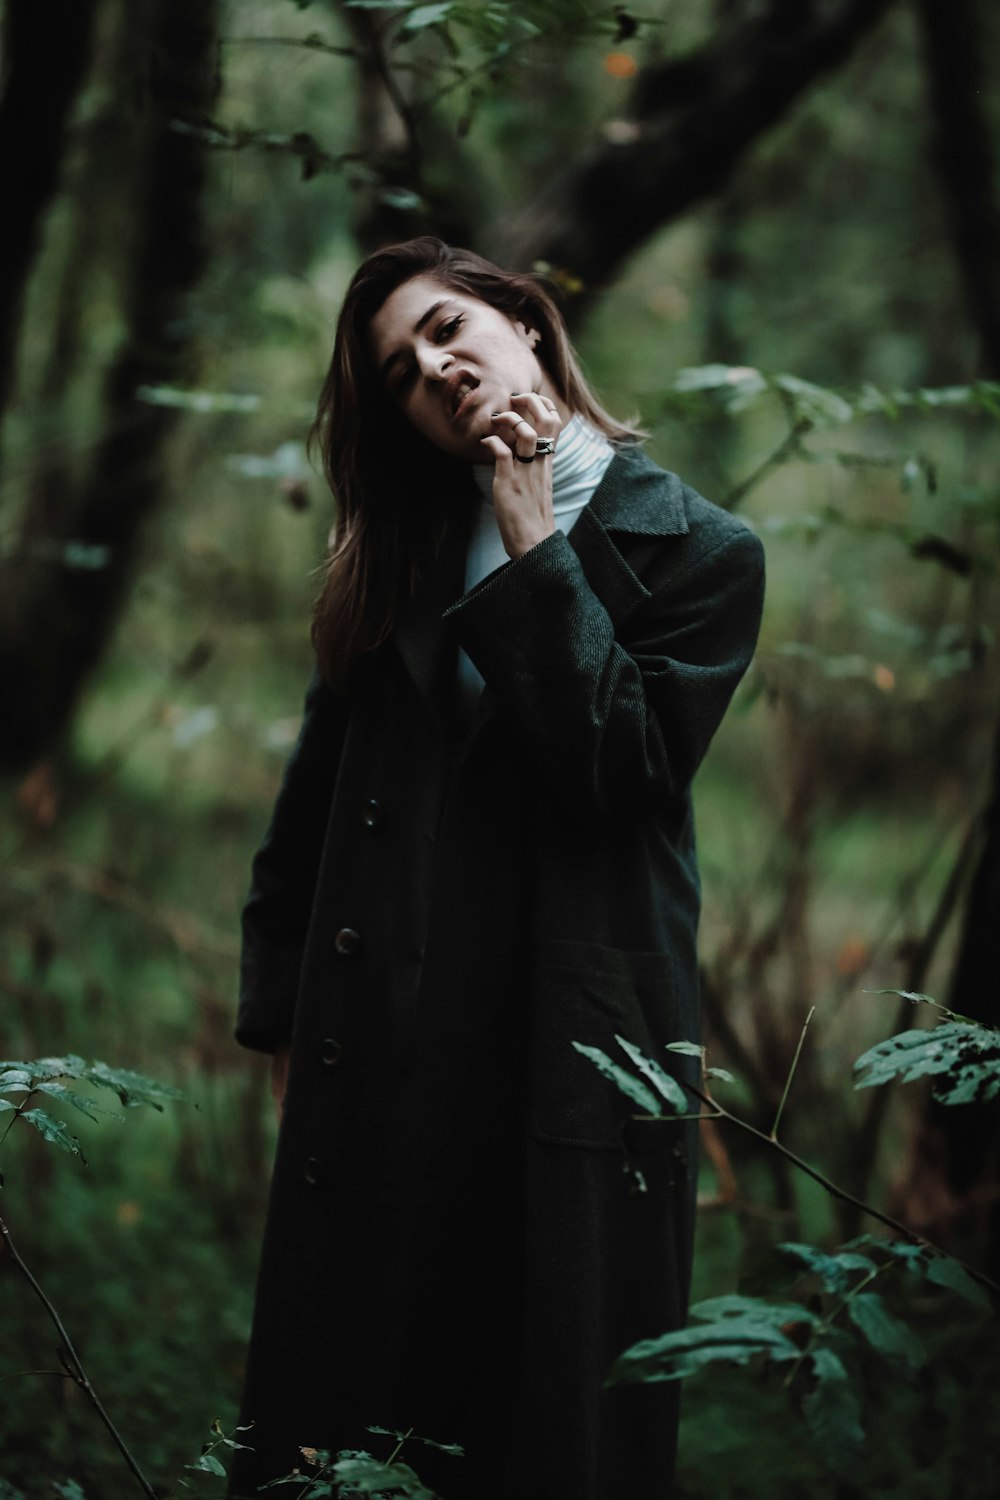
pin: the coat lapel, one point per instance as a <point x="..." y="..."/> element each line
<point x="635" y="499"/>
<point x="423" y="639"/>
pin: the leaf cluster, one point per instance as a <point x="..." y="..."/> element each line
<point x="961" y="1057"/>
<point x="823" y="1338"/>
<point x="54" y="1077"/>
<point x="354" y="1472"/>
<point x="821" y="1341"/>
<point x="737" y="388"/>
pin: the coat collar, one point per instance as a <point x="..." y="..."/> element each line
<point x="422" y="637"/>
<point x="635" y="498"/>
<point x="638" y="497"/>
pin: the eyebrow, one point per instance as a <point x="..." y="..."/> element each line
<point x="418" y="327"/>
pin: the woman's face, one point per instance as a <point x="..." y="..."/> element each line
<point x="449" y="360"/>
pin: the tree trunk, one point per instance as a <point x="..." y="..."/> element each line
<point x="61" y="586"/>
<point x="46" y="50"/>
<point x="956" y="44"/>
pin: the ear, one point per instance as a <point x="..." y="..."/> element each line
<point x="531" y="336"/>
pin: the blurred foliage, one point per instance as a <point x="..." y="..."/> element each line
<point x="835" y="807"/>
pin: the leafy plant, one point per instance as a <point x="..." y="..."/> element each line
<point x="47" y="1077"/>
<point x="822" y="1340"/>
<point x="353" y="1472"/>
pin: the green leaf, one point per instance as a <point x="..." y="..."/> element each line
<point x="734" y="387"/>
<point x="88" y="1107"/>
<point x="943" y="1271"/>
<point x="723" y="1075"/>
<point x="428" y="15"/>
<point x="733" y="1304"/>
<point x="365" y="1476"/>
<point x="15" y="1080"/>
<point x="6" y="1104"/>
<point x="70" y="1066"/>
<point x="208" y="1464"/>
<point x="402" y="198"/>
<point x="834" y="1271"/>
<point x="631" y="1087"/>
<point x="201" y="401"/>
<point x="730" y="1330"/>
<point x="832" y="1412"/>
<point x="933" y="1265"/>
<point x="53" y="1130"/>
<point x="68" y="1489"/>
<point x="814" y="403"/>
<point x="455" y="1449"/>
<point x="886" y="1334"/>
<point x="132" y="1089"/>
<point x="668" y="1088"/>
<point x="964" y="1056"/>
<point x="685" y="1049"/>
<point x="915" y="995"/>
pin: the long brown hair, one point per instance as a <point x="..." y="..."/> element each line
<point x="394" y="490"/>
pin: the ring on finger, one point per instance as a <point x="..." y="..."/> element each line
<point x="545" y="445"/>
<point x="524" y="458"/>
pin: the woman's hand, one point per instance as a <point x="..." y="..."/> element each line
<point x="522" y="484"/>
<point x="279" y="1078"/>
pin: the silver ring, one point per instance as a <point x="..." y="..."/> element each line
<point x="546" y="445"/>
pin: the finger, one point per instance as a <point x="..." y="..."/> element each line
<point x="507" y="424"/>
<point x="541" y="411"/>
<point x="516" y="431"/>
<point x="525" y="440"/>
<point x="498" y="450"/>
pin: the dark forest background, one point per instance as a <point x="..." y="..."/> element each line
<point x="776" y="225"/>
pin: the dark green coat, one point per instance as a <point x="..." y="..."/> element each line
<point x="455" y="1242"/>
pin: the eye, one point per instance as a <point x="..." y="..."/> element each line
<point x="449" y="328"/>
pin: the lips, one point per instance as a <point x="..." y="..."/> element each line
<point x="460" y="387"/>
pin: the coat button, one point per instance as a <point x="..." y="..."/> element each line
<point x="332" y="1052"/>
<point x="373" y="815"/>
<point x="311" y="1171"/>
<point x="347" y="942"/>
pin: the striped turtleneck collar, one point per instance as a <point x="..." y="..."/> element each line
<point x="578" y="464"/>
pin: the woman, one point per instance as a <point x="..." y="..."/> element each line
<point x="483" y="852"/>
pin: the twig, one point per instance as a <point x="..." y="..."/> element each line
<point x="919" y="963"/>
<point x="311" y="43"/>
<point x="75" y="1366"/>
<point x="399" y="1446"/>
<point x="719" y="1112"/>
<point x="788" y="446"/>
<point x="791" y="1073"/>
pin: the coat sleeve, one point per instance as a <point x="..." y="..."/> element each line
<point x="617" y="724"/>
<point x="278" y="907"/>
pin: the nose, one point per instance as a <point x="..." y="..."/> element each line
<point x="432" y="361"/>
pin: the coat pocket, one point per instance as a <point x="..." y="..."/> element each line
<point x="589" y="993"/>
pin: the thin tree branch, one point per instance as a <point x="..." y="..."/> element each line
<point x="789" y="447"/>
<point x="691" y="121"/>
<point x="791" y="1073"/>
<point x="719" y="1112"/>
<point x="75" y="1365"/>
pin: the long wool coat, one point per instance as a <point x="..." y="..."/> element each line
<point x="457" y="1241"/>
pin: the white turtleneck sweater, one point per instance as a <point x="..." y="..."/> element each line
<point x="578" y="464"/>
